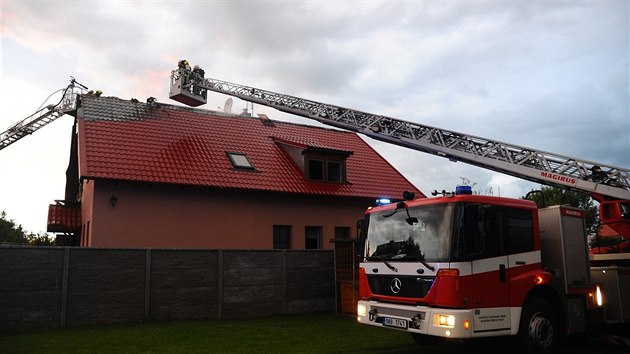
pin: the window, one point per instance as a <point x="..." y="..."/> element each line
<point x="281" y="237"/>
<point x="326" y="169"/>
<point x="312" y="237"/>
<point x="492" y="231"/>
<point x="519" y="227"/>
<point x="342" y="232"/>
<point x="316" y="170"/>
<point x="240" y="160"/>
<point x="334" y="171"/>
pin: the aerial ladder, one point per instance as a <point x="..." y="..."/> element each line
<point x="44" y="115"/>
<point x="609" y="185"/>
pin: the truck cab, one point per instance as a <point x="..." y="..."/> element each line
<point x="469" y="266"/>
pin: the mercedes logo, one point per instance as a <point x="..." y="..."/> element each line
<point x="395" y="285"/>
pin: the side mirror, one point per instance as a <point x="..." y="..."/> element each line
<point x="540" y="203"/>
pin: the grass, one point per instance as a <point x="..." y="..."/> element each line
<point x="282" y="334"/>
<point x="323" y="333"/>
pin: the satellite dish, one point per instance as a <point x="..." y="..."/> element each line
<point x="227" y="107"/>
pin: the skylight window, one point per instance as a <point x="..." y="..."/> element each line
<point x="240" y="160"/>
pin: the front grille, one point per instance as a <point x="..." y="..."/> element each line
<point x="410" y="286"/>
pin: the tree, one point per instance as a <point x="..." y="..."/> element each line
<point x="12" y="233"/>
<point x="559" y="196"/>
<point x="42" y="239"/>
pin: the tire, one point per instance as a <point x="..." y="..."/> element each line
<point x="538" y="331"/>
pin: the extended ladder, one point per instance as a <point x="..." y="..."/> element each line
<point x="522" y="162"/>
<point x="43" y="116"/>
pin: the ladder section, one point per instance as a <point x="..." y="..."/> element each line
<point x="522" y="162"/>
<point x="43" y="116"/>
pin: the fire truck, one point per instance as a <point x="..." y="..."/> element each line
<point x="461" y="265"/>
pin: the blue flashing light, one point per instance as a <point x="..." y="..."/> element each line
<point x="463" y="190"/>
<point x="383" y="201"/>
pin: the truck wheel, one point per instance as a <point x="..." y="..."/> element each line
<point x="537" y="332"/>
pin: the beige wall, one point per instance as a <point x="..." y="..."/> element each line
<point x="87" y="197"/>
<point x="163" y="216"/>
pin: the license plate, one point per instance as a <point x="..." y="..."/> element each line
<point x="394" y="322"/>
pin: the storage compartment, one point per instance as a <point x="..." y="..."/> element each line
<point x="615" y="284"/>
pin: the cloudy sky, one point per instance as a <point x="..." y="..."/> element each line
<point x="549" y="75"/>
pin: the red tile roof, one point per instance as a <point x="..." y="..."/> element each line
<point x="303" y="143"/>
<point x="64" y="217"/>
<point x="123" y="140"/>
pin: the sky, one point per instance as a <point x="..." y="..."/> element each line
<point x="548" y="75"/>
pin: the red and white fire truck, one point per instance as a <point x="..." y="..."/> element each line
<point x="463" y="265"/>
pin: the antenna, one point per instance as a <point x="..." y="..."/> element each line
<point x="249" y="104"/>
<point x="227" y="107"/>
<point x="466" y="182"/>
<point x="246" y="109"/>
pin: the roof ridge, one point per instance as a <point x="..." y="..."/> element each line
<point x="149" y="108"/>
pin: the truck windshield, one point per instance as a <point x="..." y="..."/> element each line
<point x="424" y="234"/>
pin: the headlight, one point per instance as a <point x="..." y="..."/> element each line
<point x="361" y="310"/>
<point x="445" y="320"/>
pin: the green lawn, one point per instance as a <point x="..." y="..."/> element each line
<point x="325" y="333"/>
<point x="283" y="334"/>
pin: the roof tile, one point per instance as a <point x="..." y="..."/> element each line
<point x="164" y="143"/>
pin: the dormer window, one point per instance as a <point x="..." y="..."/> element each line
<point x="319" y="163"/>
<point x="240" y="160"/>
<point x="325" y="167"/>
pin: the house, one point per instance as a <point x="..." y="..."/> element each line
<point x="156" y="175"/>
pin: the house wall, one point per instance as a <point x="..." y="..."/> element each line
<point x="87" y="202"/>
<point x="168" y="216"/>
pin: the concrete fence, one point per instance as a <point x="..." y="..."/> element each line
<point x="68" y="286"/>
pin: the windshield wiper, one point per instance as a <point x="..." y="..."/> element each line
<point x="421" y="260"/>
<point x="384" y="261"/>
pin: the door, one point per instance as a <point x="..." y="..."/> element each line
<point x="491" y="287"/>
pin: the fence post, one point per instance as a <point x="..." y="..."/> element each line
<point x="337" y="300"/>
<point x="147" y="285"/>
<point x="220" y="284"/>
<point x="64" y="286"/>
<point x="283" y="272"/>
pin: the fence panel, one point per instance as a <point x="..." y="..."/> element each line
<point x="105" y="286"/>
<point x="184" y="285"/>
<point x="31" y="281"/>
<point x="309" y="286"/>
<point x="72" y="286"/>
<point x="252" y="283"/>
